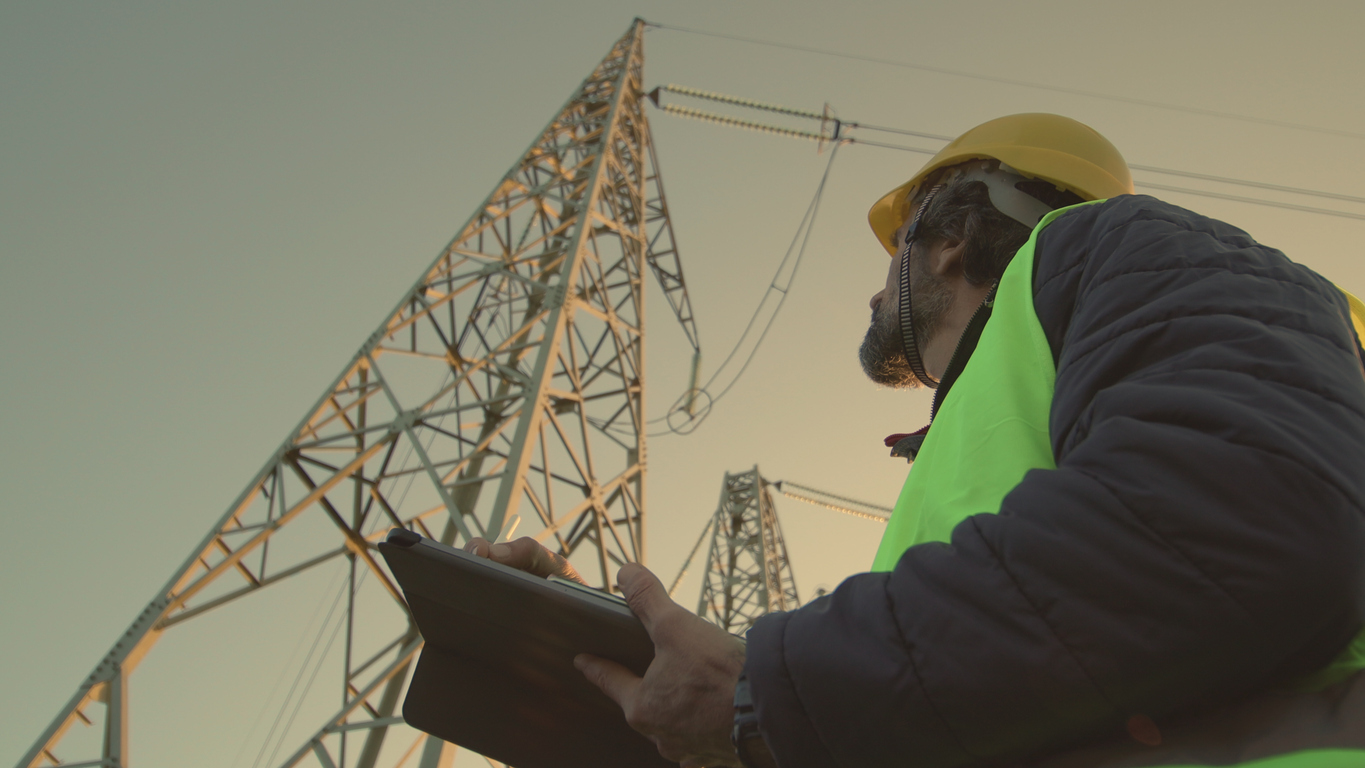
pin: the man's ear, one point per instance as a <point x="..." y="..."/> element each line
<point x="945" y="257"/>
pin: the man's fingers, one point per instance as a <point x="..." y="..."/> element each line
<point x="518" y="558"/>
<point x="531" y="556"/>
<point x="524" y="554"/>
<point x="543" y="561"/>
<point x="615" y="680"/>
<point x="645" y="595"/>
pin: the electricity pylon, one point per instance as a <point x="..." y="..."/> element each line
<point x="747" y="573"/>
<point x="507" y="384"/>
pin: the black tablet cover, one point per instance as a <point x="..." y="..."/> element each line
<point x="496" y="674"/>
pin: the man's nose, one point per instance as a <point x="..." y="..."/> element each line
<point x="876" y="299"/>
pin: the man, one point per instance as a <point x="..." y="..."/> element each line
<point x="1134" y="534"/>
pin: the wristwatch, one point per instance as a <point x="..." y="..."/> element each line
<point x="745" y="735"/>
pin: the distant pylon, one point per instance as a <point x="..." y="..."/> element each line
<point x="510" y="379"/>
<point x="748" y="573"/>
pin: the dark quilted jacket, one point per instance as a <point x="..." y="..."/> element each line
<point x="1202" y="537"/>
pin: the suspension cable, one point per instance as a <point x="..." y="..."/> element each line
<point x="736" y="100"/>
<point x="840" y="127"/>
<point x="684" y="416"/>
<point x="1251" y="200"/>
<point x="695" y="404"/>
<point x="828" y="500"/>
<point x="1018" y="83"/>
<point x="711" y="117"/>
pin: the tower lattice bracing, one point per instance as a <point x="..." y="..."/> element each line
<point x="508" y="385"/>
<point x="747" y="570"/>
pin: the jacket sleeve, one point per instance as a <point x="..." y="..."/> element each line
<point x="1201" y="537"/>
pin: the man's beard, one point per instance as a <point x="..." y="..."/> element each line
<point x="882" y="353"/>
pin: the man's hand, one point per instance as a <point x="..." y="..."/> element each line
<point x="525" y="554"/>
<point x="685" y="701"/>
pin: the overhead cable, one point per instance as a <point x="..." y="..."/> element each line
<point x="685" y="415"/>
<point x="901" y="131"/>
<point x="1246" y="183"/>
<point x="851" y="125"/>
<point x="884" y="145"/>
<point x="823" y="117"/>
<point x="1252" y="200"/>
<point x="1019" y="83"/>
<point x="834" y="501"/>
<point x="279" y="679"/>
<point x="1189" y="191"/>
<point x="838" y="137"/>
<point x="293" y="688"/>
<point x="780" y="284"/>
<point x="711" y="117"/>
<point x="736" y="100"/>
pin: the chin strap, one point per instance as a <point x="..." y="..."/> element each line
<point x="1002" y="183"/>
<point x="908" y="342"/>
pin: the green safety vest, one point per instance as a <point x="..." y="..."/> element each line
<point x="992" y="428"/>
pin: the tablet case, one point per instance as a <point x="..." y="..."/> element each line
<point x="496" y="673"/>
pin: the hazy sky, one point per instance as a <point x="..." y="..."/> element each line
<point x="206" y="208"/>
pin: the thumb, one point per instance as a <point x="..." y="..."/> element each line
<point x="615" y="680"/>
<point x="645" y="594"/>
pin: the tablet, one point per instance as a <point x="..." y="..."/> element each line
<point x="496" y="673"/>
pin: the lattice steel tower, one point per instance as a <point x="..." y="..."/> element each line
<point x="747" y="570"/>
<point x="508" y="383"/>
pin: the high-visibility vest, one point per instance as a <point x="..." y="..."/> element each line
<point x="992" y="429"/>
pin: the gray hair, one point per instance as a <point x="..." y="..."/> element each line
<point x="962" y="210"/>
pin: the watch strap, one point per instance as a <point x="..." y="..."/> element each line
<point x="745" y="730"/>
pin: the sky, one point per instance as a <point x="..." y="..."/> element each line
<point x="206" y="208"/>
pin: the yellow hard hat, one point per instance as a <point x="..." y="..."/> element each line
<point x="1069" y="154"/>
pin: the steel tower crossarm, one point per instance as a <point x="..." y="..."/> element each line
<point x="507" y="385"/>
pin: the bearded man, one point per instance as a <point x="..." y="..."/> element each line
<point x="1133" y="533"/>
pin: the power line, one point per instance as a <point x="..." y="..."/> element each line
<point x="828" y="500"/>
<point x="1197" y="192"/>
<point x="298" y="705"/>
<point x="685" y="404"/>
<point x="322" y="629"/>
<point x="1191" y="191"/>
<point x="884" y="145"/>
<point x="736" y="100"/>
<point x="851" y="125"/>
<point x="680" y="419"/>
<point x="804" y="238"/>
<point x="1019" y="83"/>
<point x="1252" y="200"/>
<point x="901" y="131"/>
<point x="279" y="680"/>
<point x="838" y="138"/>
<point x="748" y="125"/>
<point x="1246" y="183"/>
